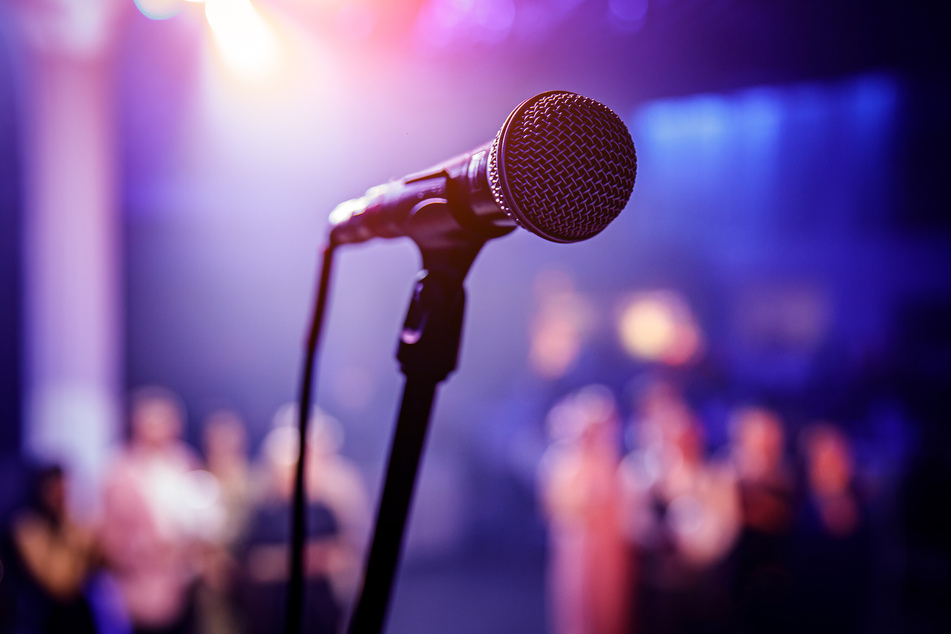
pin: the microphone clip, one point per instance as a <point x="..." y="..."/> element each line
<point x="432" y="332"/>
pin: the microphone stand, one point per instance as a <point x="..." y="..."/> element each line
<point x="428" y="351"/>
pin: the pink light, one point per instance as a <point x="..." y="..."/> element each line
<point x="560" y="326"/>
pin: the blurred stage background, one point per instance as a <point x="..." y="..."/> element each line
<point x="787" y="244"/>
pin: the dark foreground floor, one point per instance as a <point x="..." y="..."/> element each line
<point x="472" y="596"/>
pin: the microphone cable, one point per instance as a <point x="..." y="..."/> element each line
<point x="295" y="588"/>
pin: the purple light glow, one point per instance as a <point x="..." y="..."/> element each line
<point x="443" y="22"/>
<point x="630" y="11"/>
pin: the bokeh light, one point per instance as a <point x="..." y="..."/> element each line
<point x="159" y="9"/>
<point x="659" y="326"/>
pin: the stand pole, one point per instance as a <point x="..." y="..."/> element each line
<point x="408" y="441"/>
<point x="428" y="351"/>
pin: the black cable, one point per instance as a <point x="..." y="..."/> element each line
<point x="295" y="588"/>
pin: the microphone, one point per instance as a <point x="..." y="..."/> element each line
<point x="562" y="166"/>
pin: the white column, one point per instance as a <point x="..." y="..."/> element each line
<point x="73" y="335"/>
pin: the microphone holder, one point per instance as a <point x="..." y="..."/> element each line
<point x="428" y="351"/>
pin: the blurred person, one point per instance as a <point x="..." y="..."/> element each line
<point x="49" y="560"/>
<point x="225" y="444"/>
<point x="333" y="490"/>
<point x="335" y="481"/>
<point x="762" y="583"/>
<point x="832" y="544"/>
<point x="681" y="514"/>
<point x="588" y="564"/>
<point x="154" y="515"/>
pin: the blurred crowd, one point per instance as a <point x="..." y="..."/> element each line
<point x="652" y="528"/>
<point x="650" y="531"/>
<point x="186" y="542"/>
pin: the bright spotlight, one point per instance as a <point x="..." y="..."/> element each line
<point x="246" y="41"/>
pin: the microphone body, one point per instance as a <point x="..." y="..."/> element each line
<point x="562" y="166"/>
<point x="439" y="204"/>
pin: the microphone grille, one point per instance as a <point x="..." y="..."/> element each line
<point x="562" y="166"/>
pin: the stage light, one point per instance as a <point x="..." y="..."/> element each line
<point x="658" y="326"/>
<point x="247" y="43"/>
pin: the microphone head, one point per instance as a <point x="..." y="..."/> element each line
<point x="562" y="166"/>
